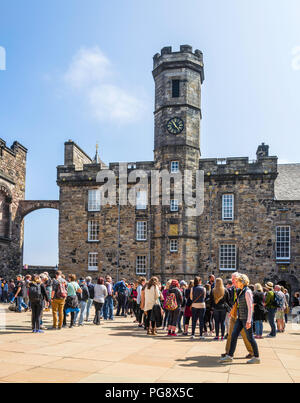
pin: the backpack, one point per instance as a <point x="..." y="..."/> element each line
<point x="278" y="301"/>
<point x="35" y="293"/>
<point x="171" y="302"/>
<point x="61" y="292"/>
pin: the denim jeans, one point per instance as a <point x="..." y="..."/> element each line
<point x="198" y="313"/>
<point x="165" y="321"/>
<point x="271" y="319"/>
<point x="238" y="327"/>
<point x="258" y="327"/>
<point x="36" y="315"/>
<point x="108" y="308"/>
<point x="82" y="305"/>
<point x="219" y="317"/>
<point x="98" y="308"/>
<point x="122" y="301"/>
<point x="180" y="316"/>
<point x="88" y="308"/>
<point x="21" y="304"/>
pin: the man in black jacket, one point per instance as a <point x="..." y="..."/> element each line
<point x="90" y="286"/>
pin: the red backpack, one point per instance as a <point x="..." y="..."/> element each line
<point x="61" y="292"/>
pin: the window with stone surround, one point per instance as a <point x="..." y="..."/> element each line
<point x="141" y="200"/>
<point x="228" y="257"/>
<point x="228" y="207"/>
<point x="174" y="167"/>
<point x="174" y="205"/>
<point x="141" y="231"/>
<point x="93" y="230"/>
<point x="141" y="265"/>
<point x="94" y="202"/>
<point x="173" y="245"/>
<point x="283" y="241"/>
<point x="93" y="261"/>
<point x="4" y="215"/>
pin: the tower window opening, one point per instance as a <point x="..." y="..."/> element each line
<point x="175" y="88"/>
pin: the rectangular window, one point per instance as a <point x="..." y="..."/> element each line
<point x="228" y="207"/>
<point x="174" y="167"/>
<point x="141" y="231"/>
<point x="175" y="88"/>
<point x="93" y="231"/>
<point x="283" y="242"/>
<point x="228" y="257"/>
<point x="94" y="200"/>
<point x="173" y="245"/>
<point x="141" y="200"/>
<point x="141" y="262"/>
<point x="93" y="261"/>
<point x="174" y="205"/>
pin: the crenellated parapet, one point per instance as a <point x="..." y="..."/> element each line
<point x="224" y="167"/>
<point x="183" y="58"/>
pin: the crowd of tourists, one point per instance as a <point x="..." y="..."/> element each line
<point x="222" y="311"/>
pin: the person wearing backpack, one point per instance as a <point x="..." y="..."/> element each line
<point x="83" y="298"/>
<point x="90" y="286"/>
<point x="173" y="304"/>
<point x="37" y="295"/>
<point x="281" y="306"/>
<point x="197" y="296"/>
<point x="58" y="297"/>
<point x="121" y="292"/>
<point x="271" y="306"/>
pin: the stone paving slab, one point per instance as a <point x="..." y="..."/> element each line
<point x="118" y="351"/>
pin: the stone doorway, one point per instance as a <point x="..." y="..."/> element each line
<point x="286" y="285"/>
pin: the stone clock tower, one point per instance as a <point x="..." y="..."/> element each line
<point x="178" y="78"/>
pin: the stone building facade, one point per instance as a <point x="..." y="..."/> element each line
<point x="14" y="207"/>
<point x="251" y="216"/>
<point x="251" y="211"/>
<point x="12" y="190"/>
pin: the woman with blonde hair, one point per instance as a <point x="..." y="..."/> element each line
<point x="220" y="304"/>
<point x="244" y="320"/>
<point x="259" y="310"/>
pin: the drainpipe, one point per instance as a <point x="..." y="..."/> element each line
<point x="119" y="239"/>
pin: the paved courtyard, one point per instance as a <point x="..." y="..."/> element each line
<point x="119" y="352"/>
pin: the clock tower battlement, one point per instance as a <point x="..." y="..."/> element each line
<point x="178" y="78"/>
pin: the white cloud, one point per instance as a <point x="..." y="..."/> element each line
<point x="87" y="67"/>
<point x="90" y="75"/>
<point x="110" y="101"/>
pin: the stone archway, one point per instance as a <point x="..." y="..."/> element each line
<point x="28" y="206"/>
<point x="289" y="281"/>
<point x="25" y="208"/>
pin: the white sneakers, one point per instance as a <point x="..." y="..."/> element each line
<point x="227" y="358"/>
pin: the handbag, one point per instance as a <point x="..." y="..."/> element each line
<point x="193" y="302"/>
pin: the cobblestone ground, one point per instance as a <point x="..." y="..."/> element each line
<point x="120" y="352"/>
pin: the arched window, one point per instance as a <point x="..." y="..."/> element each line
<point x="4" y="215"/>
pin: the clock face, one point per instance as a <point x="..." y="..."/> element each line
<point x="175" y="125"/>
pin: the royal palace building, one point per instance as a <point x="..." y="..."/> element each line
<point x="250" y="220"/>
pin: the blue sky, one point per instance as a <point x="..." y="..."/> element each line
<point x="63" y="55"/>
